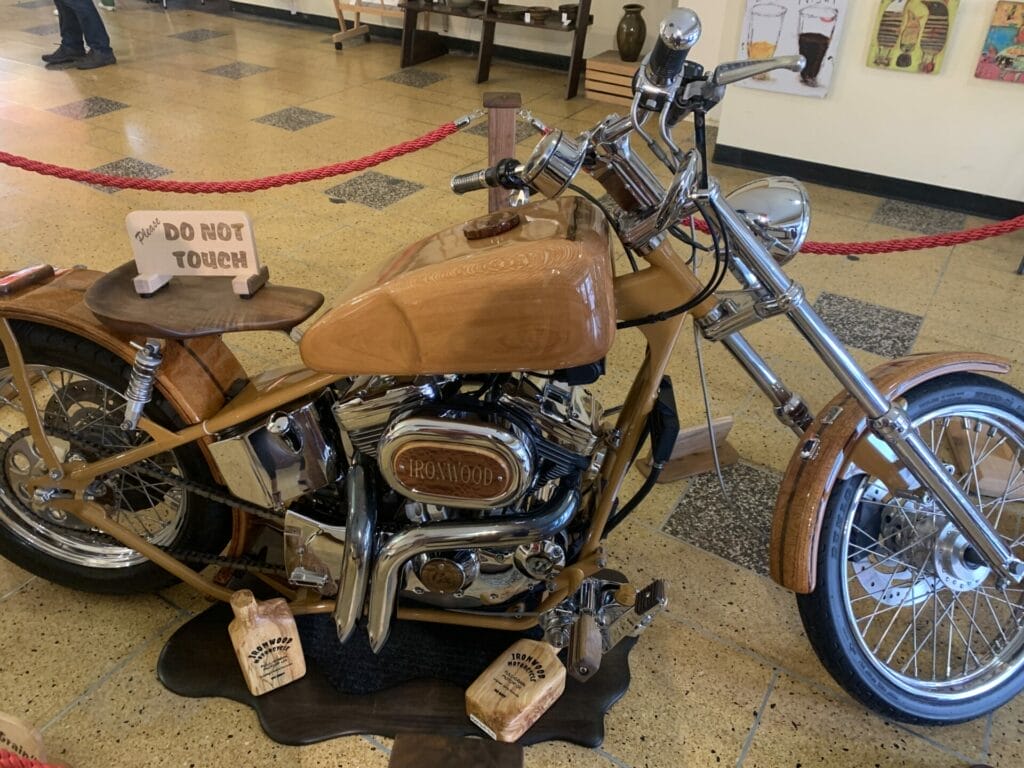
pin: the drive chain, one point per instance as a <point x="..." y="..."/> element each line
<point x="244" y="563"/>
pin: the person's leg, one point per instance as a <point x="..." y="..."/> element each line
<point x="91" y="24"/>
<point x="70" y="28"/>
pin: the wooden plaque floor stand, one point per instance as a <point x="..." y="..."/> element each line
<point x="692" y="452"/>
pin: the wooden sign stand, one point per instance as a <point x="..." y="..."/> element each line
<point x="692" y="452"/>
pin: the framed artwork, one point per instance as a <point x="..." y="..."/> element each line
<point x="784" y="27"/>
<point x="911" y="35"/>
<point x="1002" y="56"/>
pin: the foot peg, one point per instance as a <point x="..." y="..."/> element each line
<point x="605" y="621"/>
<point x="649" y="602"/>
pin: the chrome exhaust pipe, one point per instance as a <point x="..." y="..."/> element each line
<point x="356" y="552"/>
<point x="437" y="537"/>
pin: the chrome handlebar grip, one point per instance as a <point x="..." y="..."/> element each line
<point x="470" y="182"/>
<point x="734" y="71"/>
<point x="678" y="33"/>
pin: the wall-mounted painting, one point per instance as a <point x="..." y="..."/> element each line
<point x="808" y="27"/>
<point x="911" y="35"/>
<point x="1002" y="57"/>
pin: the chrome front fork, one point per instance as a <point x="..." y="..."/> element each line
<point x="763" y="277"/>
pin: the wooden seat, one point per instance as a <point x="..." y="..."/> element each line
<point x="195" y="306"/>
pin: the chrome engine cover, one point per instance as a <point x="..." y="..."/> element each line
<point x="465" y="463"/>
<point x="285" y="456"/>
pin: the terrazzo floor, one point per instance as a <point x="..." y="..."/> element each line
<point x="726" y="676"/>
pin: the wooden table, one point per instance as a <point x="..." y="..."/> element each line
<point x="413" y="8"/>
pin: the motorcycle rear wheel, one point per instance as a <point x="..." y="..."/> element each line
<point x="904" y="614"/>
<point x="78" y="389"/>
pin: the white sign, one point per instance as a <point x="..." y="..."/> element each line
<point x="167" y="244"/>
<point x="811" y="28"/>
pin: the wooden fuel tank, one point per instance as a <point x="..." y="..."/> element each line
<point x="538" y="296"/>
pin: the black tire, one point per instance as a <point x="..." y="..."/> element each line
<point x="199" y="524"/>
<point x="888" y="537"/>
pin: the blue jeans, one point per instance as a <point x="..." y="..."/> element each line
<point x="79" y="19"/>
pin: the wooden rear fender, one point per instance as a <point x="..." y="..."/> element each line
<point x="196" y="375"/>
<point x="839" y="427"/>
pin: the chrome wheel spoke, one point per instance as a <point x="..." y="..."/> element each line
<point x="84" y="408"/>
<point x="926" y="614"/>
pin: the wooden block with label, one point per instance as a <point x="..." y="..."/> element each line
<point x="20" y="738"/>
<point x="610" y="79"/>
<point x="515" y="690"/>
<point x="266" y="642"/>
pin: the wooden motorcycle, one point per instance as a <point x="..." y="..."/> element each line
<point x="440" y="458"/>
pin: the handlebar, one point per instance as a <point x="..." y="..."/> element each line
<point x="734" y="71"/>
<point x="678" y="33"/>
<point x="504" y="174"/>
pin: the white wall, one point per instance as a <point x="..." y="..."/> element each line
<point x="951" y="129"/>
<point x="600" y="36"/>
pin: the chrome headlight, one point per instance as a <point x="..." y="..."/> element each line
<point x="778" y="211"/>
<point x="554" y="163"/>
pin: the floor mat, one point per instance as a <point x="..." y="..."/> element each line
<point x="416" y="684"/>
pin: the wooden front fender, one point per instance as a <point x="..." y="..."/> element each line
<point x="839" y="427"/>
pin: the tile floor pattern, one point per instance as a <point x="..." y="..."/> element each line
<point x="725" y="676"/>
<point x="372" y="189"/>
<point x="879" y="330"/>
<point x="236" y="70"/>
<point x="416" y="78"/>
<point x="918" y="218"/>
<point x="90" y="107"/>
<point x="293" y="118"/>
<point x="130" y="167"/>
<point x="736" y="526"/>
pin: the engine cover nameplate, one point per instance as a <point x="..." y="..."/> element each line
<point x="465" y="463"/>
<point x="442" y="469"/>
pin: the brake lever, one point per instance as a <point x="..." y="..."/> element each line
<point x="734" y="71"/>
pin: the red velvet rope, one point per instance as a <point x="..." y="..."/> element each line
<point x="244" y="185"/>
<point x="9" y="760"/>
<point x="428" y="139"/>
<point x="940" y="240"/>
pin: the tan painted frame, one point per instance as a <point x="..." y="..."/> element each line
<point x="666" y="283"/>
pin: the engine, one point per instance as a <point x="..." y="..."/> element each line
<point x="453" y="449"/>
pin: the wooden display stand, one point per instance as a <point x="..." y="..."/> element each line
<point x="610" y="79"/>
<point x="412" y="51"/>
<point x="357" y="8"/>
<point x="692" y="452"/>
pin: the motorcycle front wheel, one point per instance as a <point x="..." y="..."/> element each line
<point x="905" y="615"/>
<point x="77" y="387"/>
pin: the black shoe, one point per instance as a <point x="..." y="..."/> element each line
<point x="94" y="59"/>
<point x="63" y="55"/>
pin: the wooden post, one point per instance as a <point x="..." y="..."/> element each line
<point x="501" y="137"/>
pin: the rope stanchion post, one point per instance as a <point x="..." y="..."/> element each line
<point x="502" y="108"/>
